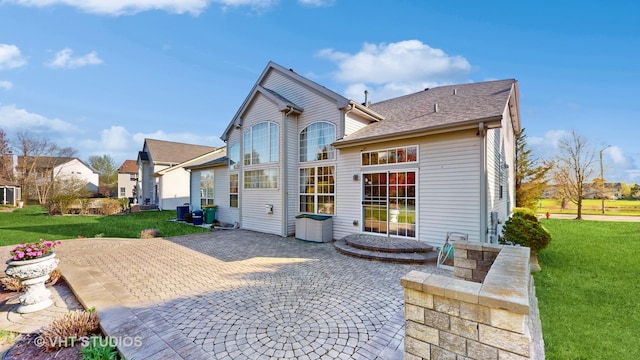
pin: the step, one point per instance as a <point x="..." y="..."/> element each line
<point x="396" y="257"/>
<point x="386" y="244"/>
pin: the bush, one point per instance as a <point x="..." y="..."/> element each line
<point x="99" y="348"/>
<point x="149" y="233"/>
<point x="62" y="203"/>
<point x="110" y="207"/>
<point x="67" y="330"/>
<point x="525" y="229"/>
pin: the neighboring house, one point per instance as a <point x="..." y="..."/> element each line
<point x="9" y="193"/>
<point x="416" y="166"/>
<point x="127" y="179"/>
<point x="163" y="181"/>
<point x="47" y="169"/>
<point x="205" y="173"/>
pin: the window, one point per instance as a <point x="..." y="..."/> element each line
<point x="315" y="142"/>
<point x="123" y="192"/>
<point x="234" y="156"/>
<point x="233" y="190"/>
<point x="133" y="177"/>
<point x="206" y="187"/>
<point x="398" y="155"/>
<point x="261" y="144"/>
<point x="317" y="190"/>
<point x="261" y="179"/>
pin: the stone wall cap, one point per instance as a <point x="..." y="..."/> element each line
<point x="414" y="279"/>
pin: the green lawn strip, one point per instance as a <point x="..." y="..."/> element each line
<point x="32" y="223"/>
<point x="588" y="290"/>
<point x="590" y="207"/>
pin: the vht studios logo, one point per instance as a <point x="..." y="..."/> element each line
<point x="114" y="341"/>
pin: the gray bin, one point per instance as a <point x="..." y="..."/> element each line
<point x="315" y="228"/>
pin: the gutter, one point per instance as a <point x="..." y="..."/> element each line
<point x="482" y="132"/>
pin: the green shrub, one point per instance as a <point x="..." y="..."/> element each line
<point x="62" y="203"/>
<point x="525" y="229"/>
<point x="526" y="212"/>
<point x="99" y="348"/>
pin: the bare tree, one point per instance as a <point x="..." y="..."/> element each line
<point x="6" y="158"/>
<point x="573" y="168"/>
<point x="108" y="171"/>
<point x="38" y="165"/>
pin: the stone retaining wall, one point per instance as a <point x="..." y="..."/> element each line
<point x="487" y="316"/>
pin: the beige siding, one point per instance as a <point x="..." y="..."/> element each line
<point x="253" y="201"/>
<point x="348" y="194"/>
<point x="291" y="172"/>
<point x="354" y="123"/>
<point x="450" y="186"/>
<point x="224" y="213"/>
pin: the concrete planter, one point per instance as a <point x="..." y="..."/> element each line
<point x="32" y="274"/>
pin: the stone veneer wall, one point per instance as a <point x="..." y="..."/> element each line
<point x="453" y="318"/>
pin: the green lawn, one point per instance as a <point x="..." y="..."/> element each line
<point x="32" y="223"/>
<point x="590" y="206"/>
<point x="589" y="290"/>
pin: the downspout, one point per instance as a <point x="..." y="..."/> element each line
<point x="285" y="174"/>
<point x="482" y="132"/>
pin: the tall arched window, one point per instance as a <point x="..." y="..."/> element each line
<point x="315" y="142"/>
<point x="261" y="144"/>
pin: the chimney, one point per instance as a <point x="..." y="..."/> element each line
<point x="366" y="98"/>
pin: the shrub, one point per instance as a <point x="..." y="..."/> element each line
<point x="68" y="329"/>
<point x="63" y="203"/>
<point x="149" y="233"/>
<point x="99" y="349"/>
<point x="525" y="229"/>
<point x="110" y="206"/>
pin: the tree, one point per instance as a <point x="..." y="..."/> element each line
<point x="36" y="169"/>
<point x="625" y="190"/>
<point x="6" y="158"/>
<point x="108" y="171"/>
<point x="531" y="178"/>
<point x="573" y="168"/>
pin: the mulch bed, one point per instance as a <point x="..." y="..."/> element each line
<point x="25" y="347"/>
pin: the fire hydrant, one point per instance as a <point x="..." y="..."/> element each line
<point x="547" y="215"/>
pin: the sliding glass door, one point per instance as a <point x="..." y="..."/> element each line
<point x="389" y="203"/>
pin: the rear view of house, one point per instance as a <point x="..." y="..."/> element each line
<point x="417" y="166"/>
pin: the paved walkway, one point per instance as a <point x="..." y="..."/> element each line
<point x="235" y="294"/>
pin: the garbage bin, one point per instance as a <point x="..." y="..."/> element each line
<point x="209" y="214"/>
<point x="316" y="228"/>
<point x="197" y="217"/>
<point x="181" y="211"/>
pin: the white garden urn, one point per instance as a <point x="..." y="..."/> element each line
<point x="394" y="215"/>
<point x="32" y="274"/>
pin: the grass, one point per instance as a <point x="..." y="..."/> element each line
<point x="32" y="223"/>
<point x="588" y="290"/>
<point x="591" y="207"/>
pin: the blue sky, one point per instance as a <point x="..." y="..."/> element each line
<point x="100" y="76"/>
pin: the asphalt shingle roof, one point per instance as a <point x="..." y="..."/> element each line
<point x="456" y="104"/>
<point x="173" y="152"/>
<point x="128" y="166"/>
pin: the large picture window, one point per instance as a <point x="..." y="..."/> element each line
<point x="233" y="190"/>
<point x="261" y="144"/>
<point x="206" y="187"/>
<point x="317" y="190"/>
<point x="261" y="179"/>
<point x="316" y="140"/>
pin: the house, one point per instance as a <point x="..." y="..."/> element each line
<point x="10" y="193"/>
<point x="127" y="179"/>
<point x="203" y="179"/>
<point x="163" y="180"/>
<point x="416" y="166"/>
<point x="46" y="169"/>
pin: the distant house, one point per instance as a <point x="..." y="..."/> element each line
<point x="416" y="166"/>
<point x="127" y="179"/>
<point x="10" y="193"/>
<point x="46" y="169"/>
<point x="163" y="180"/>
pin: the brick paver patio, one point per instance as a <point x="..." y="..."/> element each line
<point x="236" y="294"/>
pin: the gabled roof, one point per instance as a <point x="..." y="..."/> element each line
<point x="128" y="166"/>
<point x="48" y="162"/>
<point x="168" y="152"/>
<point x="218" y="153"/>
<point x="282" y="102"/>
<point x="221" y="161"/>
<point x="438" y="108"/>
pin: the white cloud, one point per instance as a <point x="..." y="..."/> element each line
<point x="7" y="85"/>
<point x="127" y="7"/>
<point x="14" y="119"/>
<point x="10" y="57"/>
<point x="65" y="60"/>
<point x="317" y="3"/>
<point x="395" y="69"/>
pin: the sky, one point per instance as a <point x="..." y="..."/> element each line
<point x="101" y="76"/>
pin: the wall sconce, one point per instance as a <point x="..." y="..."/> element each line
<point x="268" y="209"/>
<point x="238" y="126"/>
<point x="356" y="177"/>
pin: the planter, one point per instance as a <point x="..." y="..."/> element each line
<point x="393" y="215"/>
<point x="32" y="274"/>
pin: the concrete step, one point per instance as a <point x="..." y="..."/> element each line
<point x="397" y="257"/>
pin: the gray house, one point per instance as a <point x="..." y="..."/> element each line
<point x="417" y="166"/>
